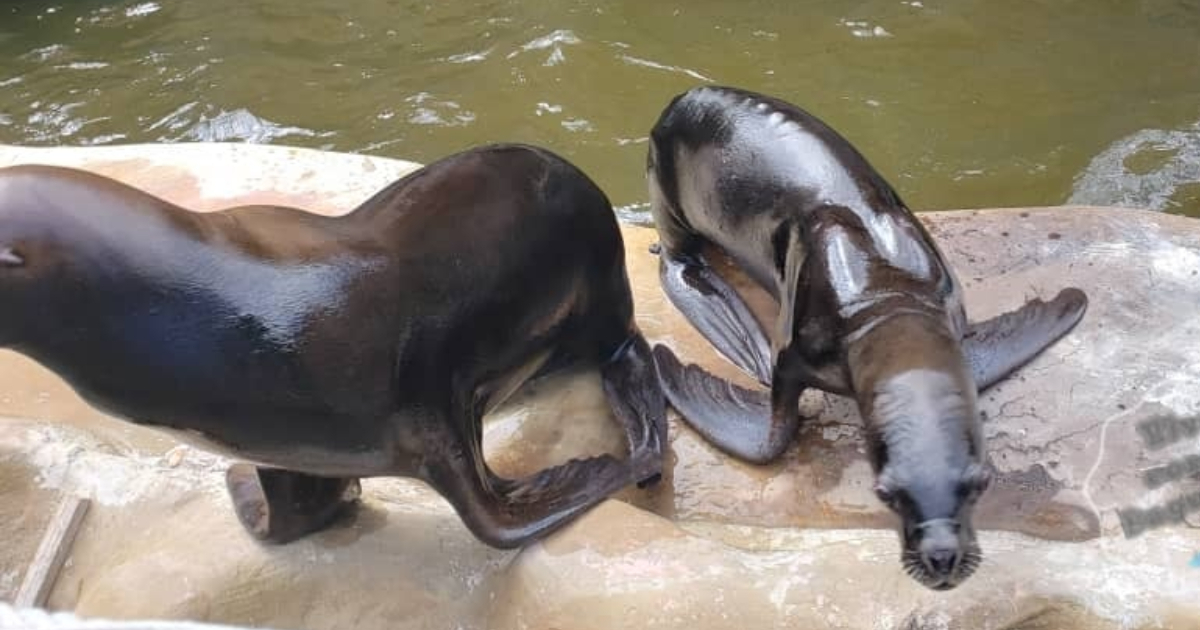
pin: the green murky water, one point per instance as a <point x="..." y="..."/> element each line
<point x="960" y="103"/>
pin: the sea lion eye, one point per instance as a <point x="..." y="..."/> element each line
<point x="885" y="494"/>
<point x="976" y="481"/>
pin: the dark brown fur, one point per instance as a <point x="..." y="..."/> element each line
<point x="326" y="349"/>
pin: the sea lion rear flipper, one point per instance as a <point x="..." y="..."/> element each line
<point x="632" y="389"/>
<point x="718" y="312"/>
<point x="739" y="421"/>
<point x="508" y="513"/>
<point x="996" y="347"/>
<point x="279" y="506"/>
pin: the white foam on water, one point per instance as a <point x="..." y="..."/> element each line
<point x="555" y="58"/>
<point x="175" y="120"/>
<point x="82" y="65"/>
<point x="143" y="9"/>
<point x="1107" y="180"/>
<point x="469" y="57"/>
<point x="862" y="28"/>
<point x="54" y="121"/>
<point x="242" y="124"/>
<point x="555" y="38"/>
<point x="429" y="110"/>
<point x="554" y="42"/>
<point x="44" y="53"/>
<point x="577" y="124"/>
<point x="637" y="61"/>
<point x="634" y="214"/>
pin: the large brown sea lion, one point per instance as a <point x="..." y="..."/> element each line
<point x="324" y="349"/>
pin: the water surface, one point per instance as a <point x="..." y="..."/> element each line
<point x="959" y="104"/>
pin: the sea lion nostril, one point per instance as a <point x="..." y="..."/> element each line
<point x="941" y="561"/>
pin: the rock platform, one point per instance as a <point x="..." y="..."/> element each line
<point x="802" y="543"/>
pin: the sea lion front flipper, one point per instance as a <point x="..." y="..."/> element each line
<point x="280" y="506"/>
<point x="632" y="389"/>
<point x="996" y="347"/>
<point x="718" y="312"/>
<point x="749" y="424"/>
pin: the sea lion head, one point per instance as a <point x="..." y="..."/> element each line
<point x="35" y="250"/>
<point x="939" y="547"/>
<point x="919" y="403"/>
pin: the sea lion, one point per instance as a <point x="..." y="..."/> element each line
<point x="868" y="308"/>
<point x="324" y="349"/>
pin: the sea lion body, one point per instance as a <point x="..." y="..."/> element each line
<point x="368" y="344"/>
<point x="869" y="308"/>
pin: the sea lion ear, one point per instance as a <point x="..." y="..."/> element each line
<point x="10" y="258"/>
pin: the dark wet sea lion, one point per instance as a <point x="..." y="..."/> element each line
<point x="869" y="308"/>
<point x="326" y="349"/>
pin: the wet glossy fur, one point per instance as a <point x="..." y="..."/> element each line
<point x="325" y="349"/>
<point x="868" y="308"/>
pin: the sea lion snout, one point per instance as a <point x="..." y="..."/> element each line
<point x="941" y="561"/>
<point x="941" y="553"/>
<point x="939" y="546"/>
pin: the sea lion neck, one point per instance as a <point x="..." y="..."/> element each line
<point x="908" y="374"/>
<point x="98" y="218"/>
<point x="67" y="228"/>
<point x="87" y="240"/>
<point x="57" y="203"/>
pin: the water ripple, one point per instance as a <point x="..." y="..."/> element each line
<point x="560" y="36"/>
<point x="468" y="57"/>
<point x="661" y="66"/>
<point x="175" y="120"/>
<point x="554" y="41"/>
<point x="44" y="53"/>
<point x="82" y="65"/>
<point x="54" y="121"/>
<point x="242" y="125"/>
<point x="145" y="8"/>
<point x="862" y="28"/>
<point x="577" y="124"/>
<point x="635" y="214"/>
<point x="428" y="110"/>
<point x="1143" y="170"/>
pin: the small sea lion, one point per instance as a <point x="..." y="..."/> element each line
<point x="324" y="349"/>
<point x="868" y="307"/>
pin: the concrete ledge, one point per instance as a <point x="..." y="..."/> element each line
<point x="799" y="544"/>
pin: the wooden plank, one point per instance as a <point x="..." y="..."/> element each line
<point x="51" y="553"/>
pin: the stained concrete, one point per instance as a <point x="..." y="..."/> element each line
<point x="801" y="543"/>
